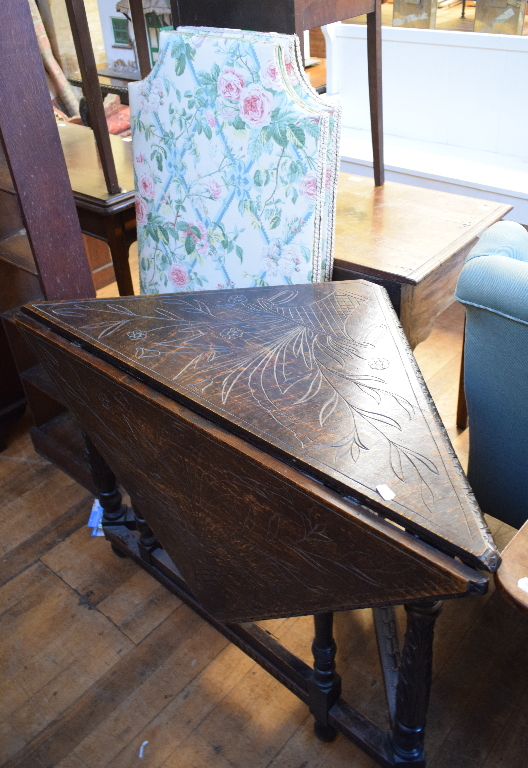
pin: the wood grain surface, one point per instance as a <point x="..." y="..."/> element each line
<point x="36" y="168"/>
<point x="253" y="538"/>
<point x="404" y="233"/>
<point x="319" y="374"/>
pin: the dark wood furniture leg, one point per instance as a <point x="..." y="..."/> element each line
<point x="105" y="482"/>
<point x="326" y="686"/>
<point x="148" y="541"/>
<point x="140" y="36"/>
<point x="407" y="683"/>
<point x="37" y="167"/>
<point x="414" y="681"/>
<point x="462" y="412"/>
<point x="108" y="494"/>
<point x="389" y="653"/>
<point x="119" y="244"/>
<point x="12" y="399"/>
<point x="375" y="91"/>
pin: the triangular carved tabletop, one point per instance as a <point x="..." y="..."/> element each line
<point x="319" y="374"/>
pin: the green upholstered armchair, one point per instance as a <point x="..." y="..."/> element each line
<point x="493" y="287"/>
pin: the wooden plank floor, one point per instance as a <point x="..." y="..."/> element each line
<point x="97" y="658"/>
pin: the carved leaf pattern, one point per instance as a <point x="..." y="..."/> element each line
<point x="300" y="363"/>
<point x="291" y="369"/>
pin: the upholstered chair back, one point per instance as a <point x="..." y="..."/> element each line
<point x="235" y="180"/>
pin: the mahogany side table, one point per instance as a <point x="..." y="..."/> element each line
<point x="283" y="457"/>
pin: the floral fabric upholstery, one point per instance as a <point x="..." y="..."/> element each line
<point x="235" y="163"/>
<point x="299" y="81"/>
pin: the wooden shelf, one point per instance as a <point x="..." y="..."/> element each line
<point x="16" y="250"/>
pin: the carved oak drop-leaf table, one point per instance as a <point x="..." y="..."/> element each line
<point x="283" y="457"/>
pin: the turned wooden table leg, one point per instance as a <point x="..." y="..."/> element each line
<point x="414" y="681"/>
<point x="326" y="683"/>
<point x="119" y="250"/>
<point x="105" y="482"/>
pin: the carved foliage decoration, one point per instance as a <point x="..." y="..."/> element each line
<point x="319" y="374"/>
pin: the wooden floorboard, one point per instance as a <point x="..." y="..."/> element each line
<point x="96" y="658"/>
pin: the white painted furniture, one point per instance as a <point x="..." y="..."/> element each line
<point x="455" y="109"/>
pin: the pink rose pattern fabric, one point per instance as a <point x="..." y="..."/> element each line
<point x="298" y="79"/>
<point x="230" y="168"/>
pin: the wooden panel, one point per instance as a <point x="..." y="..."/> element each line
<point x="100" y="260"/>
<point x="17" y="251"/>
<point x="276" y="15"/>
<point x="315" y="13"/>
<point x="317" y="48"/>
<point x="422" y="303"/>
<point x="404" y="233"/>
<point x="12" y="399"/>
<point x="286" y="16"/>
<point x="42" y="400"/>
<point x="319" y="373"/>
<point x="252" y="537"/>
<point x="10" y="216"/>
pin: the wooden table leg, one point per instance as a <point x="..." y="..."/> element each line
<point x="326" y="684"/>
<point x="462" y="413"/>
<point x="119" y="246"/>
<point x="105" y="482"/>
<point x="375" y="91"/>
<point x="414" y="681"/>
<point x="148" y="541"/>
